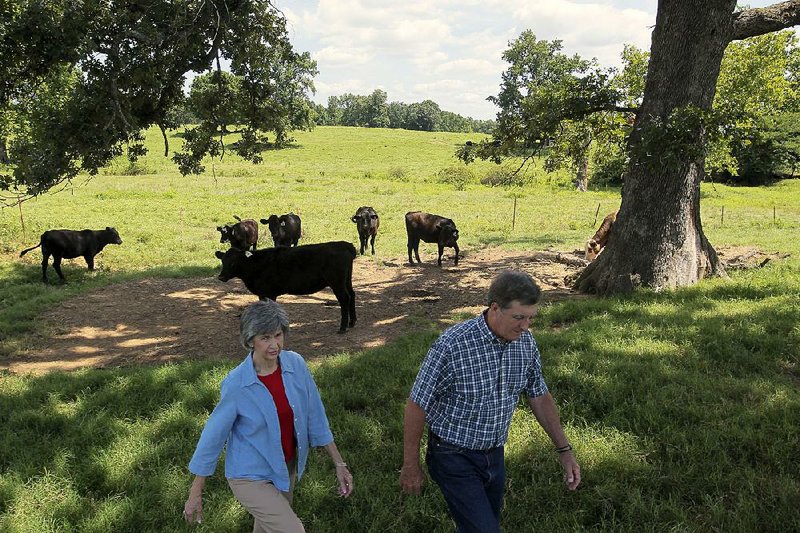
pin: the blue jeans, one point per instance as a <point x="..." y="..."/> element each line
<point x="472" y="482"/>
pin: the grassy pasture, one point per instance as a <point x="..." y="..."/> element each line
<point x="683" y="406"/>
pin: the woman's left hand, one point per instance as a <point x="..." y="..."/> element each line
<point x="345" y="479"/>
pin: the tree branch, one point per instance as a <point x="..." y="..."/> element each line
<point x="620" y="109"/>
<point x="758" y="21"/>
<point x="166" y="140"/>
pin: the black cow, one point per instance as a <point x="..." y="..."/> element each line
<point x="430" y="228"/>
<point x="306" y="269"/>
<point x="367" y="224"/>
<point x="242" y="235"/>
<point x="285" y="229"/>
<point x="69" y="244"/>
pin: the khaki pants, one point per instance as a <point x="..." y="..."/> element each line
<point x="270" y="507"/>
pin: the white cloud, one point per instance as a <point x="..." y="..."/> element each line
<point x="450" y="51"/>
<point x="585" y="28"/>
<point x="336" y="56"/>
<point x="474" y="66"/>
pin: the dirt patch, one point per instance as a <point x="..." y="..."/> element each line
<point x="159" y="320"/>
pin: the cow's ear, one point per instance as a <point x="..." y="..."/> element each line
<point x="354" y="219"/>
<point x="248" y="253"/>
<point x="219" y="254"/>
<point x="219" y="229"/>
<point x="455" y="234"/>
<point x="374" y="216"/>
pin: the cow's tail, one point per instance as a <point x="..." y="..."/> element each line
<point x="26" y="250"/>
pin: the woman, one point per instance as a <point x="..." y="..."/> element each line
<point x="270" y="414"/>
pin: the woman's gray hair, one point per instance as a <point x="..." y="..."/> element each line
<point x="513" y="285"/>
<point x="264" y="316"/>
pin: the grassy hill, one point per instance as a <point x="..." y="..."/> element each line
<point x="683" y="406"/>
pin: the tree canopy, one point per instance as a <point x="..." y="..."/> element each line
<point x="572" y="111"/>
<point x="99" y="73"/>
<point x="544" y="99"/>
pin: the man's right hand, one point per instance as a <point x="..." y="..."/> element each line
<point x="412" y="479"/>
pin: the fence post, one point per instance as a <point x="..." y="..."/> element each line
<point x="596" y="211"/>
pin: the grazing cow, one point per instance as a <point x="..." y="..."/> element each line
<point x="430" y="228"/>
<point x="285" y="229"/>
<point x="306" y="269"/>
<point x="242" y="235"/>
<point x="600" y="238"/>
<point x="367" y="224"/>
<point x="69" y="244"/>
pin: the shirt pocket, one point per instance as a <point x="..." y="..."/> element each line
<point x="470" y="394"/>
<point x="515" y="376"/>
<point x="515" y="383"/>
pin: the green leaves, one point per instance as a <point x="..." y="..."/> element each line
<point x="128" y="62"/>
<point x="550" y="100"/>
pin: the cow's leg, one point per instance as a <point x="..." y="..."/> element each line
<point x="372" y="242"/>
<point x="352" y="295"/>
<point x="441" y="251"/>
<point x="343" y="298"/>
<point x="363" y="240"/>
<point x="57" y="266"/>
<point x="45" y="259"/>
<point x="456" y="252"/>
<point x="89" y="261"/>
<point x="416" y="250"/>
<point x="410" y="248"/>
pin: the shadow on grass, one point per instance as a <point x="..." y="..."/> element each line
<point x="680" y="412"/>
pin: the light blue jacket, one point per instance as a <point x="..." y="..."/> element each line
<point x="246" y="418"/>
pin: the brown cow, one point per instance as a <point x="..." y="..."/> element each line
<point x="243" y="235"/>
<point x="600" y="238"/>
<point x="431" y="228"/>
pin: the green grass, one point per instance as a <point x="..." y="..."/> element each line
<point x="683" y="406"/>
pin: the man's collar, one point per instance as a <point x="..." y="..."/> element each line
<point x="483" y="325"/>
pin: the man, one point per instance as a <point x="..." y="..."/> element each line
<point x="466" y="390"/>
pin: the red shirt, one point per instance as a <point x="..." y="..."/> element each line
<point x="274" y="384"/>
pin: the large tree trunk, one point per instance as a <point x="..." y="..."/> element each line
<point x="4" y="152"/>
<point x="658" y="240"/>
<point x="582" y="175"/>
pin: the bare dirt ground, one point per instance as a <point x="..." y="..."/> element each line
<point x="160" y="320"/>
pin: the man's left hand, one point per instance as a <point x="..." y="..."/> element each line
<point x="572" y="472"/>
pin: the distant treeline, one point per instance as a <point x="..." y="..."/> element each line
<point x="373" y="111"/>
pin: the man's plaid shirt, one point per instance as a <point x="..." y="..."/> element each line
<point x="470" y="381"/>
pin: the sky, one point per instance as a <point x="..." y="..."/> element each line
<point x="450" y="51"/>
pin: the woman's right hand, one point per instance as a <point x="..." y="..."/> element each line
<point x="193" y="510"/>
